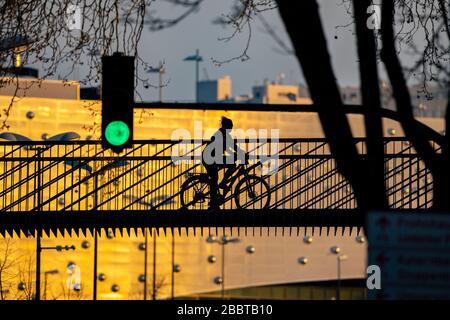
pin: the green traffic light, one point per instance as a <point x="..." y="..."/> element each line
<point x="117" y="133"/>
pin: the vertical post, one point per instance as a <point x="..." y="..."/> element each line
<point x="154" y="264"/>
<point x="223" y="269"/>
<point x="38" y="231"/>
<point x="95" y="263"/>
<point x="338" y="290"/>
<point x="173" y="265"/>
<point x="45" y="285"/>
<point x="197" y="63"/>
<point x="95" y="242"/>
<point x="38" y="265"/>
<point x="160" y="81"/>
<point x="145" y="264"/>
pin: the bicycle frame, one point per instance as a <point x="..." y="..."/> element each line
<point x="242" y="171"/>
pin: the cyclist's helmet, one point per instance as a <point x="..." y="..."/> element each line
<point x="227" y="123"/>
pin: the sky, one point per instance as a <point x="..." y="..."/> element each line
<point x="266" y="59"/>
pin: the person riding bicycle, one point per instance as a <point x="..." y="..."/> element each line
<point x="221" y="152"/>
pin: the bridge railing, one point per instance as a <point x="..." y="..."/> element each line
<point x="80" y="175"/>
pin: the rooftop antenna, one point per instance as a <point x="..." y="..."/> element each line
<point x="205" y="73"/>
<point x="280" y="78"/>
<point x="76" y="73"/>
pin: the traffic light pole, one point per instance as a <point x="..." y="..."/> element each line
<point x="38" y="231"/>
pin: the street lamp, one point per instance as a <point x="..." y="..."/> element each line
<point x="197" y="59"/>
<point x="144" y="247"/>
<point x="46" y="273"/>
<point x="4" y="292"/>
<point x="96" y="204"/>
<point x="340" y="257"/>
<point x="176" y="268"/>
<point x="39" y="249"/>
<point x="65" y="136"/>
<point x="160" y="70"/>
<point x="59" y="248"/>
<point x="11" y="136"/>
<point x="222" y="242"/>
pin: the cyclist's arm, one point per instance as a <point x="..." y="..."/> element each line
<point x="233" y="149"/>
<point x="241" y="154"/>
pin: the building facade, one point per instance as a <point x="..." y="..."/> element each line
<point x="260" y="260"/>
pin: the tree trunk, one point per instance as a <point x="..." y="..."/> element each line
<point x="303" y="24"/>
<point x="370" y="90"/>
<point x="441" y="183"/>
<point x="401" y="94"/>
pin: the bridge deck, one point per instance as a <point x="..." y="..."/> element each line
<point x="78" y="185"/>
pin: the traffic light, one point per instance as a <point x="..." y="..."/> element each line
<point x="117" y="101"/>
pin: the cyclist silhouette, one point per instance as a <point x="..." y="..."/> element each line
<point x="220" y="153"/>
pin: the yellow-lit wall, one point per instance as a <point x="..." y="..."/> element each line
<point x="275" y="259"/>
<point x="53" y="116"/>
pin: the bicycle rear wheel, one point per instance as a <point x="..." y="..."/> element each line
<point x="252" y="192"/>
<point x="195" y="193"/>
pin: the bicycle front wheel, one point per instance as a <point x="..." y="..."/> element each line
<point x="252" y="192"/>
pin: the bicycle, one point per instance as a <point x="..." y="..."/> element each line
<point x="251" y="191"/>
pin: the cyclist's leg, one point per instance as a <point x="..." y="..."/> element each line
<point x="213" y="174"/>
<point x="230" y="169"/>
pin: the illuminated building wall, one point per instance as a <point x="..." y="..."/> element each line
<point x="275" y="260"/>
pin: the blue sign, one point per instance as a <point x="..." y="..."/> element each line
<point x="413" y="253"/>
